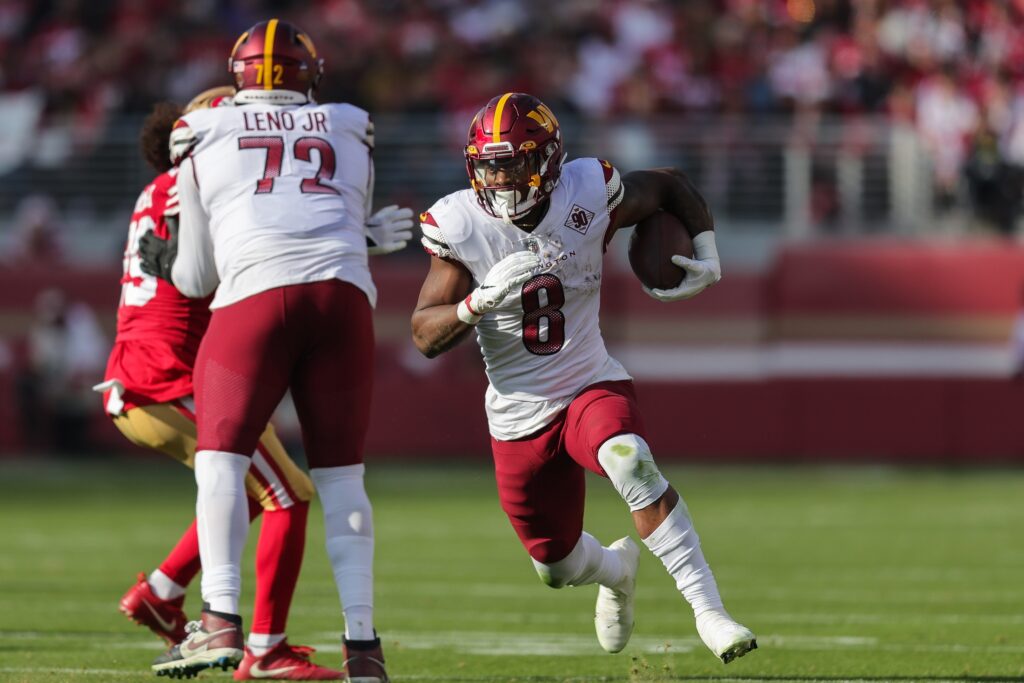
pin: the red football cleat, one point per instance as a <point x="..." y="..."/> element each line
<point x="285" y="662"/>
<point x="163" y="617"/>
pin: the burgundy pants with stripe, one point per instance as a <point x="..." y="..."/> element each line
<point x="313" y="338"/>
<point x="542" y="477"/>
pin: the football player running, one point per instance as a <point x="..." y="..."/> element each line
<point x="274" y="194"/>
<point x="518" y="258"/>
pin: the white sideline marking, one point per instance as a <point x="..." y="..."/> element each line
<point x="56" y="670"/>
<point x="868" y="359"/>
<point x="560" y="644"/>
<point x="909" y="619"/>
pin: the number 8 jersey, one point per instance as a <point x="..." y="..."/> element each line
<point x="542" y="345"/>
<point x="279" y="193"/>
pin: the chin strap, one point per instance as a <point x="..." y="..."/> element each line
<point x="504" y="213"/>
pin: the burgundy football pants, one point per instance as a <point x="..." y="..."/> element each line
<point x="542" y="477"/>
<point x="313" y="338"/>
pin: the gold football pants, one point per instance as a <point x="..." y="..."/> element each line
<point x="273" y="479"/>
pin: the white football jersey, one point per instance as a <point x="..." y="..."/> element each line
<point x="542" y="345"/>
<point x="285" y="191"/>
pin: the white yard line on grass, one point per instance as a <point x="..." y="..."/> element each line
<point x="559" y="644"/>
<point x="495" y="643"/>
<point x="887" y="618"/>
<point x="56" y="670"/>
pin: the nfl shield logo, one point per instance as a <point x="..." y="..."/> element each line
<point x="579" y="219"/>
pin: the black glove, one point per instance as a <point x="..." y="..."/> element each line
<point x="157" y="255"/>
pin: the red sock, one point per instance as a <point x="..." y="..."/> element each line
<point x="182" y="564"/>
<point x="278" y="561"/>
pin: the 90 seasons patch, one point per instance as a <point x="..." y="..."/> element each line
<point x="579" y="219"/>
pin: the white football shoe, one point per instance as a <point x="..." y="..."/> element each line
<point x="723" y="636"/>
<point x="613" y="615"/>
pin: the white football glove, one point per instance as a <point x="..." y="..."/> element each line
<point x="388" y="230"/>
<point x="702" y="271"/>
<point x="503" y="277"/>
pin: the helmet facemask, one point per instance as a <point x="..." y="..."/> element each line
<point x="509" y="183"/>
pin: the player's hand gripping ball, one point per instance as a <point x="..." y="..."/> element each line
<point x="670" y="265"/>
<point x="654" y="242"/>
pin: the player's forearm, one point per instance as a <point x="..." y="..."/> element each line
<point x="195" y="271"/>
<point x="437" y="329"/>
<point x="668" y="189"/>
<point x="681" y="199"/>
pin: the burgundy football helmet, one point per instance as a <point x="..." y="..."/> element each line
<point x="275" y="55"/>
<point x="514" y="155"/>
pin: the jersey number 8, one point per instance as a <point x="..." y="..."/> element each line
<point x="543" y="320"/>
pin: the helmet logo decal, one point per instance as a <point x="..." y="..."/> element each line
<point x="268" y="55"/>
<point x="544" y="117"/>
<point x="499" y="109"/>
<point x="513" y="161"/>
<point x="304" y="39"/>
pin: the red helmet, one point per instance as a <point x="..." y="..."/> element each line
<point x="516" y="135"/>
<point x="275" y="55"/>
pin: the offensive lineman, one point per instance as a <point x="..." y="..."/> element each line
<point x="274" y="192"/>
<point x="532" y="233"/>
<point x="148" y="394"/>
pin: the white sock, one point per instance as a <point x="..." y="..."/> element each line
<point x="676" y="544"/>
<point x="589" y="562"/>
<point x="262" y="643"/>
<point x="222" y="514"/>
<point x="348" y="525"/>
<point x="164" y="587"/>
<point x="359" y="623"/>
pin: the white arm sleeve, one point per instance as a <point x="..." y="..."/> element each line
<point x="194" y="272"/>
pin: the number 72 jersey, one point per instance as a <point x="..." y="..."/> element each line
<point x="543" y="344"/>
<point x="284" y="190"/>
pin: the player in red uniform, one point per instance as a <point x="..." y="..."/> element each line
<point x="532" y="232"/>
<point x="148" y="392"/>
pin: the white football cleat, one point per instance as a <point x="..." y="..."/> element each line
<point x="723" y="636"/>
<point x="613" y="615"/>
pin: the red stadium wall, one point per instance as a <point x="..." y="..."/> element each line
<point x="855" y="352"/>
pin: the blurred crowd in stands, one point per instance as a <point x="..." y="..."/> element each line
<point x="952" y="68"/>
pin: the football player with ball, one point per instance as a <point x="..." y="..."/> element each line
<point x="518" y="258"/>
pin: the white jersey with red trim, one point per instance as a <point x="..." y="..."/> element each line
<point x="542" y="345"/>
<point x="284" y="190"/>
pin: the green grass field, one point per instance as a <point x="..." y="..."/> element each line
<point x="844" y="574"/>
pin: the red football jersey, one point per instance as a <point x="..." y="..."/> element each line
<point x="158" y="328"/>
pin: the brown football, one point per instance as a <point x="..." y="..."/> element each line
<point x="654" y="242"/>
